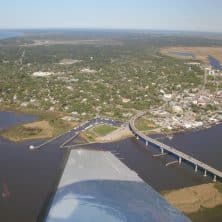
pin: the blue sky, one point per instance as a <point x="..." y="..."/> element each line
<point x="199" y="15"/>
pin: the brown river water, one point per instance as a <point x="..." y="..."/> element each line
<point x="30" y="177"/>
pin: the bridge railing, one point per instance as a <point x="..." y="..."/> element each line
<point x="181" y="155"/>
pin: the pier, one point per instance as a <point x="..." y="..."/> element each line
<point x="181" y="156"/>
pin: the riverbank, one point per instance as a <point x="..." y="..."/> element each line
<point x="191" y="200"/>
<point x="30" y="131"/>
<point x="197" y="200"/>
<point x="19" y="176"/>
<point x="146" y="125"/>
<point x="46" y="126"/>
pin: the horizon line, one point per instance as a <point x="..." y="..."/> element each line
<point x="111" y="28"/>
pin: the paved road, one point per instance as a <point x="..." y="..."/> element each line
<point x="67" y="137"/>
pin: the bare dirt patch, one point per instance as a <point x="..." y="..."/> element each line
<point x="192" y="199"/>
<point x="43" y="125"/>
<point x="69" y="61"/>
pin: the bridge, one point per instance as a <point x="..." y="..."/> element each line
<point x="170" y="150"/>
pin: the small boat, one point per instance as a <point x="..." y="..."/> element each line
<point x="31" y="147"/>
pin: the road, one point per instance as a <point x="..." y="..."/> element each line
<point x="68" y="136"/>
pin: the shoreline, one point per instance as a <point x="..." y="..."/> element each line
<point x="47" y="125"/>
<point x="46" y="115"/>
<point x="192" y="130"/>
<point x="195" y="200"/>
<point x="58" y="176"/>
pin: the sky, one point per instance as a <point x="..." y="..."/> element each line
<point x="192" y="15"/>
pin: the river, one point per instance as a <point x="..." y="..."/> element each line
<point x="28" y="176"/>
<point x="31" y="176"/>
<point x="205" y="145"/>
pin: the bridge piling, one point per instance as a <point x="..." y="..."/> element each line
<point x="180" y="160"/>
<point x="205" y="173"/>
<point x="147" y="143"/>
<point x="196" y="168"/>
<point x="162" y="150"/>
<point x="215" y="179"/>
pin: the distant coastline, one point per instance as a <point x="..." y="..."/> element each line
<point x="5" y="34"/>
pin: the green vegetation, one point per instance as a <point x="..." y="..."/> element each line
<point x="219" y="186"/>
<point x="47" y="126"/>
<point x="129" y="73"/>
<point x="102" y="130"/>
<point x="207" y="214"/>
<point x="145" y="124"/>
<point x="20" y="133"/>
<point x="26" y="132"/>
<point x="98" y="131"/>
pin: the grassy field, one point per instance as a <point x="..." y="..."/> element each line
<point x="102" y="130"/>
<point x="98" y="131"/>
<point x="145" y="124"/>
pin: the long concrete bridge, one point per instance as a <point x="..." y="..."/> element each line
<point x="167" y="149"/>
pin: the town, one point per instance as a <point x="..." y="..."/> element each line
<point x="177" y="94"/>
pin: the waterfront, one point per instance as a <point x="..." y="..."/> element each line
<point x="205" y="145"/>
<point x="9" y="119"/>
<point x="152" y="169"/>
<point x="28" y="176"/>
<point x="31" y="175"/>
<point x="4" y="34"/>
<point x="214" y="63"/>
